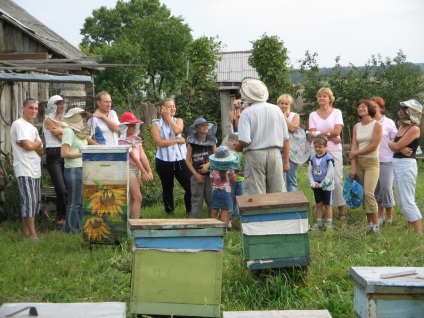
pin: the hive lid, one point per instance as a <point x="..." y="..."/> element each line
<point x="272" y="200"/>
<point x="172" y="224"/>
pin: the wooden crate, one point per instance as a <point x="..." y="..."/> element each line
<point x="68" y="310"/>
<point x="278" y="314"/>
<point x="392" y="297"/>
<point x="274" y="230"/>
<point x="177" y="267"/>
<point x="105" y="193"/>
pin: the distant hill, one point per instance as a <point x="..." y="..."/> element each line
<point x="296" y="77"/>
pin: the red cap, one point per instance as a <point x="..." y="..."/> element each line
<point x="129" y="118"/>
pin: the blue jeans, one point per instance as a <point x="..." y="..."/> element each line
<point x="236" y="189"/>
<point x="291" y="177"/>
<point x="73" y="179"/>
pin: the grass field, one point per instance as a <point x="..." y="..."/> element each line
<point x="61" y="269"/>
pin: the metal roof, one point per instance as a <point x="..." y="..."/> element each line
<point x="234" y="66"/>
<point x="35" y="29"/>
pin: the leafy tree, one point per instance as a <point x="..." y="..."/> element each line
<point x="142" y="32"/>
<point x="270" y="59"/>
<point x="199" y="95"/>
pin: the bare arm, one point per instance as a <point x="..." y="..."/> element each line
<point x="286" y="155"/>
<point x="164" y="142"/>
<point x="411" y="134"/>
<point x="109" y="122"/>
<point x="294" y="124"/>
<point x="177" y="126"/>
<point x="65" y="152"/>
<point x="51" y="126"/>
<point x="375" y="142"/>
<point x="353" y="147"/>
<point x="30" y="145"/>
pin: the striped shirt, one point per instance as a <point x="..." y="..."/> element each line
<point x="175" y="152"/>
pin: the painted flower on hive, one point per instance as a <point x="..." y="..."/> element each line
<point x="96" y="230"/>
<point x="107" y="201"/>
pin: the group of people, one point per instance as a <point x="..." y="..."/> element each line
<point x="261" y="155"/>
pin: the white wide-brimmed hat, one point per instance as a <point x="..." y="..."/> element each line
<point x="415" y="110"/>
<point x="210" y="136"/>
<point x="253" y="90"/>
<point x="74" y="119"/>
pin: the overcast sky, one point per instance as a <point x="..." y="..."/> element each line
<point x="354" y="30"/>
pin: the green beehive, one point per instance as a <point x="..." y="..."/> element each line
<point x="274" y="230"/>
<point x="177" y="267"/>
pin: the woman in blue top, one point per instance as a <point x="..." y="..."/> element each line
<point x="171" y="154"/>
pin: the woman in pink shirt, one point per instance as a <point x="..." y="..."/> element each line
<point x="384" y="189"/>
<point x="328" y="121"/>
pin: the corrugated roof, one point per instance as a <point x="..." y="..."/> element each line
<point x="22" y="20"/>
<point x="234" y="66"/>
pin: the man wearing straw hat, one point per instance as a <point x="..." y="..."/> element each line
<point x="262" y="134"/>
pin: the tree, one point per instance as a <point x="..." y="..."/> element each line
<point x="270" y="59"/>
<point x="199" y="95"/>
<point x="156" y="39"/>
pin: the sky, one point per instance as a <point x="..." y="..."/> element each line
<point x="353" y="30"/>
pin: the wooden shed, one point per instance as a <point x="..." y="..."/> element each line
<point x="36" y="62"/>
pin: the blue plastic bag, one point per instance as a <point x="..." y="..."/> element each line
<point x="353" y="193"/>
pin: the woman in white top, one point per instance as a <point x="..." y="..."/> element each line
<point x="328" y="121"/>
<point x="171" y="154"/>
<point x="364" y="158"/>
<point x="53" y="131"/>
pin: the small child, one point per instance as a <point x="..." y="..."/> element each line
<point x="201" y="144"/>
<point x="237" y="188"/>
<point x="129" y="129"/>
<point x="223" y="162"/>
<point x="321" y="180"/>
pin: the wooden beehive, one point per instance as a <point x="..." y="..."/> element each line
<point x="177" y="267"/>
<point x="388" y="292"/>
<point x="105" y="193"/>
<point x="274" y="230"/>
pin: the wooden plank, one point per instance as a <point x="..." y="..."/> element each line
<point x="172" y="224"/>
<point x="277" y="263"/>
<point x="171" y="310"/>
<point x="369" y="279"/>
<point x="15" y="77"/>
<point x="176" y="277"/>
<point x="197" y="243"/>
<point x="275" y="246"/>
<point x="398" y="274"/>
<point x="271" y="200"/>
<point x="179" y="232"/>
<point x="24" y="56"/>
<point x="278" y="314"/>
<point x="69" y="310"/>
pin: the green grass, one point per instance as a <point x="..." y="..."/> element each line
<point x="62" y="269"/>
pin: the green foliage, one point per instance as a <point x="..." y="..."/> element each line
<point x="270" y="59"/>
<point x="393" y="80"/>
<point x="199" y="96"/>
<point x="140" y="32"/>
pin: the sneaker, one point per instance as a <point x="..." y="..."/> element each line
<point x="315" y="227"/>
<point x="389" y="221"/>
<point x="380" y="221"/>
<point x="229" y="225"/>
<point x="328" y="226"/>
<point x="375" y="230"/>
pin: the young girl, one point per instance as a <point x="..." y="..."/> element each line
<point x="321" y="180"/>
<point x="223" y="162"/>
<point x="130" y="128"/>
<point x="201" y="144"/>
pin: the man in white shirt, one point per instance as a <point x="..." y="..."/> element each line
<point x="27" y="148"/>
<point x="105" y="122"/>
<point x="262" y="134"/>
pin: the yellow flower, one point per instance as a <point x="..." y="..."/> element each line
<point x="108" y="201"/>
<point x="95" y="229"/>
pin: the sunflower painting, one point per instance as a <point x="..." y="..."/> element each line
<point x="105" y="211"/>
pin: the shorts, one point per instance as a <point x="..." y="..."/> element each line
<point x="30" y="195"/>
<point x="326" y="197"/>
<point x="134" y="171"/>
<point x="221" y="199"/>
